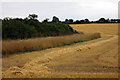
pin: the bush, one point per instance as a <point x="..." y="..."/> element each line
<point x="14" y="29"/>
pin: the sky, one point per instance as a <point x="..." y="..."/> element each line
<point x="63" y="9"/>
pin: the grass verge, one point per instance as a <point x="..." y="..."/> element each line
<point x="28" y="45"/>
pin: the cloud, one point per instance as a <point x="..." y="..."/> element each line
<point x="79" y="9"/>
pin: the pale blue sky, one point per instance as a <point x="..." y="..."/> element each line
<point x="91" y="9"/>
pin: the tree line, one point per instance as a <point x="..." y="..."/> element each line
<point x="83" y="21"/>
<point x="87" y="21"/>
<point x="18" y="28"/>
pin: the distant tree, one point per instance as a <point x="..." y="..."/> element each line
<point x="46" y="20"/>
<point x="82" y="21"/>
<point x="70" y="20"/>
<point x="118" y="20"/>
<point x="66" y="21"/>
<point x="33" y="16"/>
<point x="77" y="22"/>
<point x="87" y="21"/>
<point x="102" y="20"/>
<point x="115" y="20"/>
<point x="107" y="20"/>
<point x="55" y="19"/>
<point x="7" y="18"/>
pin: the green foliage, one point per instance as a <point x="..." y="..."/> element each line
<point x="57" y="28"/>
<point x="55" y="19"/>
<point x="32" y="16"/>
<point x="30" y="27"/>
<point x="15" y="29"/>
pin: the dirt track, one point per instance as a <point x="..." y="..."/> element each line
<point x="92" y="59"/>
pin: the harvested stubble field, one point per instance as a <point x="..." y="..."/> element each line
<point x="104" y="29"/>
<point x="91" y="59"/>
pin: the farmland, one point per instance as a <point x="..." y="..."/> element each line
<point x="90" y="59"/>
<point x="109" y="29"/>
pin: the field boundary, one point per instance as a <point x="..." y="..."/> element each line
<point x="52" y="42"/>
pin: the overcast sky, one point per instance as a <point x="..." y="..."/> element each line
<point x="71" y="9"/>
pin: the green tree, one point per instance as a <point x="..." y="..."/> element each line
<point x="18" y="28"/>
<point x="55" y="19"/>
<point x="66" y="21"/>
<point x="87" y="21"/>
<point x="46" y="20"/>
<point x="33" y="16"/>
<point x="102" y="20"/>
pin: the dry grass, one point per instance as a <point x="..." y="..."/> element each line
<point x="12" y="46"/>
